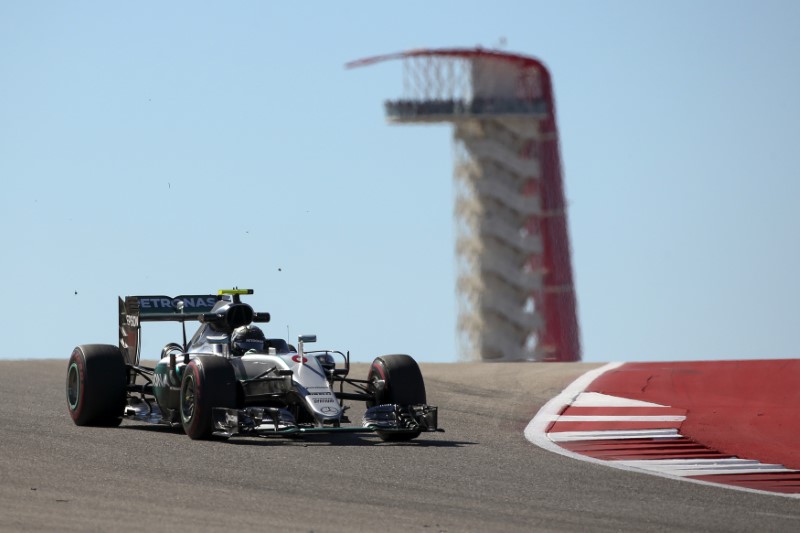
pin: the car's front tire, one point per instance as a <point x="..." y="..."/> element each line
<point x="396" y="379"/>
<point x="96" y="385"/>
<point x="208" y="382"/>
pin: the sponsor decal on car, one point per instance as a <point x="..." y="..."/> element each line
<point x="160" y="380"/>
<point x="322" y="400"/>
<point x="155" y="304"/>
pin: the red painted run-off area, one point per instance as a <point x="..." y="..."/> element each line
<point x="750" y="409"/>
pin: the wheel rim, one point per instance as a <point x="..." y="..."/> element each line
<point x="377" y="374"/>
<point x="187" y="402"/>
<point x="73" y="386"/>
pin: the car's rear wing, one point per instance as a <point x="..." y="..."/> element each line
<point x="134" y="310"/>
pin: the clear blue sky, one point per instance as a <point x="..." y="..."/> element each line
<point x="184" y="147"/>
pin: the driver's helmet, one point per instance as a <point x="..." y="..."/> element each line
<point x="247" y="338"/>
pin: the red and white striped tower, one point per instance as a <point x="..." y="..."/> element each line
<point x="516" y="295"/>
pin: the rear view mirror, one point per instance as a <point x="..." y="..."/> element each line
<point x="307" y="338"/>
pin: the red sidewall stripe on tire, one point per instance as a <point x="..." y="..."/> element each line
<point x="197" y="397"/>
<point x="380" y="370"/>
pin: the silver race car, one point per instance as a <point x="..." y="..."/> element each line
<point x="230" y="379"/>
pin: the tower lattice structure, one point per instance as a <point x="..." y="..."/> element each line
<point x="515" y="285"/>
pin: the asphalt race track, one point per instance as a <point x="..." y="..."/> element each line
<point x="481" y="475"/>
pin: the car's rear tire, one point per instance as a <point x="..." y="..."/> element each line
<point x="96" y="385"/>
<point x="396" y="379"/>
<point x="208" y="382"/>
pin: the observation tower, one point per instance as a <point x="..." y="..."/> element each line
<point x="514" y="285"/>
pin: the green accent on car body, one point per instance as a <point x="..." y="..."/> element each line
<point x="166" y="388"/>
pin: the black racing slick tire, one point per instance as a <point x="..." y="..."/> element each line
<point x="96" y="385"/>
<point x="396" y="379"/>
<point x="208" y="382"/>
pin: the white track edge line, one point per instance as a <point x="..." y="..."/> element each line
<point x="621" y="418"/>
<point x="597" y="399"/>
<point x="535" y="432"/>
<point x="616" y="434"/>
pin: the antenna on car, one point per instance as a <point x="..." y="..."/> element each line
<point x="180" y="305"/>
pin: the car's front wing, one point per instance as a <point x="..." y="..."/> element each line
<point x="266" y="421"/>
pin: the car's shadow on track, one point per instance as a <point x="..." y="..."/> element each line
<point x="343" y="439"/>
<point x="151" y="428"/>
<point x="346" y="440"/>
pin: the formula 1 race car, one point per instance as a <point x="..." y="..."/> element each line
<point x="229" y="379"/>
